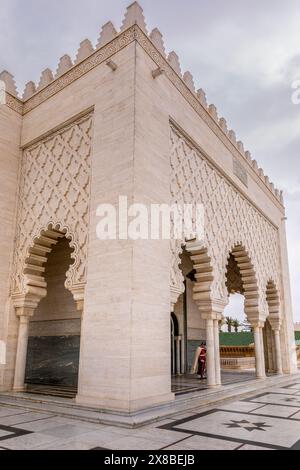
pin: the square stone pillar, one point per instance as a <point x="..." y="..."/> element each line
<point x="289" y="356"/>
<point x="10" y="131"/>
<point x="125" y="356"/>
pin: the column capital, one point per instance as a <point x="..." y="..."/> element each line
<point x="257" y="323"/>
<point x="275" y="323"/>
<point x="211" y="309"/>
<point x="175" y="293"/>
<point x="24" y="313"/>
<point x="25" y="304"/>
<point x="78" y="294"/>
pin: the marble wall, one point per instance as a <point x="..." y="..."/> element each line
<point x="53" y="360"/>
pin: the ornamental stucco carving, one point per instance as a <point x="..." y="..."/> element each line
<point x="230" y="220"/>
<point x="55" y="191"/>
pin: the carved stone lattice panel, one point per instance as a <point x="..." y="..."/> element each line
<point x="55" y="190"/>
<point x="230" y="219"/>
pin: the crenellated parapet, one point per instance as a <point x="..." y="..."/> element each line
<point x="157" y="39"/>
<point x="173" y="60"/>
<point x="46" y="78"/>
<point x="134" y="16"/>
<point x="29" y="90"/>
<point x="65" y="64"/>
<point x="108" y="33"/>
<point x="110" y="41"/>
<point x="10" y="83"/>
<point x="84" y="51"/>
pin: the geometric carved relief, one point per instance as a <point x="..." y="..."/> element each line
<point x="54" y="195"/>
<point x="230" y="220"/>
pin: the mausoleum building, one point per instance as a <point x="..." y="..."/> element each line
<point x="116" y="319"/>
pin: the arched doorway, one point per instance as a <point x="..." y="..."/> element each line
<point x="238" y="352"/>
<point x="54" y="330"/>
<point x="187" y="330"/>
<point x="49" y="310"/>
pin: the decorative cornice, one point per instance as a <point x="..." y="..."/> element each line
<point x="123" y="39"/>
<point x="14" y="103"/>
<point x="194" y="101"/>
<point x="77" y="71"/>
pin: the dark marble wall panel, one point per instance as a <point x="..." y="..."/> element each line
<point x="68" y="327"/>
<point x="53" y="360"/>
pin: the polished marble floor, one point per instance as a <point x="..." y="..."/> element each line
<point x="264" y="421"/>
<point x="182" y="384"/>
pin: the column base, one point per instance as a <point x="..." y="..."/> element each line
<point x="19" y="389"/>
<point x="123" y="407"/>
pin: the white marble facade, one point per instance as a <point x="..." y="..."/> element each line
<point x="124" y="120"/>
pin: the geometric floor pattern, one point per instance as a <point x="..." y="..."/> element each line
<point x="268" y="421"/>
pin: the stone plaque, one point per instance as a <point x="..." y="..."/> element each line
<point x="240" y="171"/>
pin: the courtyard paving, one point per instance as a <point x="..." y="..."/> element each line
<point x="265" y="421"/>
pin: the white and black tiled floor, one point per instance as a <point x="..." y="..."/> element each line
<point x="265" y="421"/>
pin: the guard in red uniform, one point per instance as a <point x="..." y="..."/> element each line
<point x="202" y="361"/>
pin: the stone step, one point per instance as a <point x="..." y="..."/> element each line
<point x="49" y="390"/>
<point x="183" y="403"/>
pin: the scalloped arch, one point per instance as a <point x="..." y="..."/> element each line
<point x="273" y="300"/>
<point x="248" y="278"/>
<point x="40" y="247"/>
<point x="201" y="260"/>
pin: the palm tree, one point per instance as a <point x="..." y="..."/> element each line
<point x="228" y="321"/>
<point x="236" y="324"/>
<point x="246" y="325"/>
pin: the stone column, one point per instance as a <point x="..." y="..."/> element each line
<point x="178" y="362"/>
<point x="211" y="312"/>
<point x="173" y="357"/>
<point x="210" y="353"/>
<point x="259" y="359"/>
<point x="182" y="355"/>
<point x="262" y="350"/>
<point x="278" y="352"/>
<point x="21" y="351"/>
<point x="78" y="295"/>
<point x="217" y="352"/>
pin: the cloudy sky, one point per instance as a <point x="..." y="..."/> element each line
<point x="245" y="54"/>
